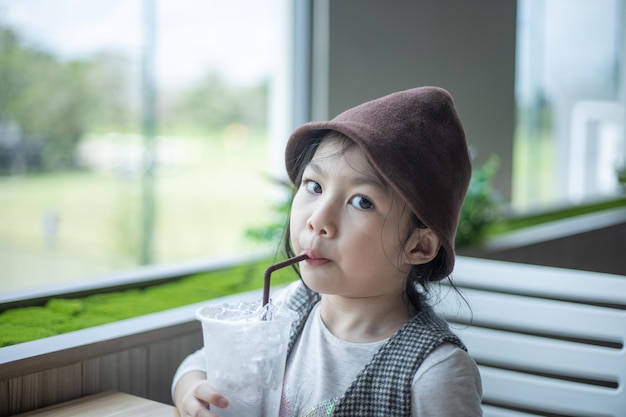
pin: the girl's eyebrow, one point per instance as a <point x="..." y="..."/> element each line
<point x="313" y="166"/>
<point x="371" y="180"/>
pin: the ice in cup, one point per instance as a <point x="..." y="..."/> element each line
<point x="246" y="350"/>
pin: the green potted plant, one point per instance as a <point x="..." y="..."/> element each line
<point x="481" y="206"/>
<point x="620" y="171"/>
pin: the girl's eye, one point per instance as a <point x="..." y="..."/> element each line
<point x="313" y="187"/>
<point x="361" y="203"/>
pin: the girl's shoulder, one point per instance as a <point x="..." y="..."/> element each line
<point x="287" y="292"/>
<point x="447" y="357"/>
<point x="447" y="363"/>
<point x="295" y="293"/>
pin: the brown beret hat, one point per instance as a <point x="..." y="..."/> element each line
<point x="415" y="139"/>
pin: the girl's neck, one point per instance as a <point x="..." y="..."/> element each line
<point x="365" y="320"/>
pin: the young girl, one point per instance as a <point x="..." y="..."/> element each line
<point x="379" y="192"/>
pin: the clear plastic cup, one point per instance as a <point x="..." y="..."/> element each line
<point x="246" y="354"/>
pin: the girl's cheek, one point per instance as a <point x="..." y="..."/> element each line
<point x="297" y="210"/>
<point x="294" y="228"/>
<point x="296" y="225"/>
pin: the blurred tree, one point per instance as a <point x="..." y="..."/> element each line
<point x="116" y="103"/>
<point x="211" y="104"/>
<point x="47" y="104"/>
<point x="53" y="102"/>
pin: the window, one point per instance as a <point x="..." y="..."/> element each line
<point x="136" y="132"/>
<point x="571" y="88"/>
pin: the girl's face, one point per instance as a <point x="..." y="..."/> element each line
<point x="353" y="228"/>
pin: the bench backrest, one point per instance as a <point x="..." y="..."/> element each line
<point x="548" y="341"/>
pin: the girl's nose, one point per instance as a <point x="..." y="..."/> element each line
<point x="322" y="222"/>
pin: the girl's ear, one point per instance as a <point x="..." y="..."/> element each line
<point x="421" y="247"/>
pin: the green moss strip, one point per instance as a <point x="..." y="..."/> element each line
<point x="516" y="223"/>
<point x="60" y="315"/>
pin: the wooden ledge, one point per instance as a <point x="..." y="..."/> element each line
<point x="106" y="404"/>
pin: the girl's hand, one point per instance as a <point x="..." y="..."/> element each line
<point x="194" y="397"/>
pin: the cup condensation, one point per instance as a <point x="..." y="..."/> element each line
<point x="245" y="359"/>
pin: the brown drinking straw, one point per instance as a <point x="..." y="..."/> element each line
<point x="272" y="268"/>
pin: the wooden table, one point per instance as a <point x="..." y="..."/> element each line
<point x="106" y="404"/>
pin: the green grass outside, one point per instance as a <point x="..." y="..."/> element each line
<point x="62" y="315"/>
<point x="202" y="211"/>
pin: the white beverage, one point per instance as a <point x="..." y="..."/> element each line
<point x="246" y="357"/>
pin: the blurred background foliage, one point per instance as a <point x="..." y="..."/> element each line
<point x="74" y="142"/>
<point x="47" y="104"/>
<point x="482" y="205"/>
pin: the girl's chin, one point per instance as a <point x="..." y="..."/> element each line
<point x="314" y="283"/>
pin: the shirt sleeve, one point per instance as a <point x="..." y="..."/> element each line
<point x="193" y="362"/>
<point x="447" y="384"/>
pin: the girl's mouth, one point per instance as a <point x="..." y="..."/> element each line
<point x="315" y="260"/>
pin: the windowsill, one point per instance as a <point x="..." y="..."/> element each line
<point x="134" y="278"/>
<point x="107" y="338"/>
<point x="557" y="229"/>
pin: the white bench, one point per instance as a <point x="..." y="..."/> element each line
<point x="548" y="341"/>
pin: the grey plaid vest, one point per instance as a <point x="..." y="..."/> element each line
<point x="383" y="388"/>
